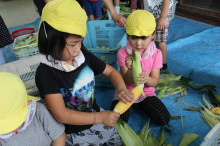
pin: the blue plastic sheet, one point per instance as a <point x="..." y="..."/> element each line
<point x="193" y="51"/>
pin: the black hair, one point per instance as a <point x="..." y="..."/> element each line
<point x="139" y="37"/>
<point x="51" y="41"/>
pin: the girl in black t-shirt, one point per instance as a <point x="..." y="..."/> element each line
<point x="66" y="77"/>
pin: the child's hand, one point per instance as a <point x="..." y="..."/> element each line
<point x="109" y="118"/>
<point x="143" y="77"/>
<point x="129" y="61"/>
<point x="119" y="19"/>
<point x="126" y="96"/>
<point x="161" y="23"/>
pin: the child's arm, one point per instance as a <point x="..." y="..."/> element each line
<point x="63" y="115"/>
<point x="118" y="19"/>
<point x="150" y="80"/>
<point x="124" y="94"/>
<point x="162" y="19"/>
<point x="60" y="141"/>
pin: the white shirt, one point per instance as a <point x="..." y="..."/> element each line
<point x="155" y="6"/>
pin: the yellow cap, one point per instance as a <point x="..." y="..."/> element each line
<point x="140" y="23"/>
<point x="13" y="102"/>
<point x="65" y="16"/>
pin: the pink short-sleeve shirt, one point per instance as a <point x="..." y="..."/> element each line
<point x="155" y="61"/>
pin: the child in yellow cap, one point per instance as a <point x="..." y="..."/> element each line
<point x="140" y="29"/>
<point x="66" y="76"/>
<point x="23" y="120"/>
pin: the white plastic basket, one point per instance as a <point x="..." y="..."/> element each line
<point x="213" y="137"/>
<point x="25" y="50"/>
<point x="26" y="70"/>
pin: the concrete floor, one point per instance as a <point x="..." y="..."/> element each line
<point x="18" y="12"/>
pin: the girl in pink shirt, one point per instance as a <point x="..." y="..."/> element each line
<point x="140" y="28"/>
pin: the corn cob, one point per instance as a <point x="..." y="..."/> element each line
<point x="136" y="69"/>
<point x="121" y="107"/>
<point x="215" y="110"/>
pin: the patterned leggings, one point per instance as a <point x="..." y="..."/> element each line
<point x="152" y="107"/>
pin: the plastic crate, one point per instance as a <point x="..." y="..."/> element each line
<point x="22" y="31"/>
<point x="26" y="50"/>
<point x="213" y="137"/>
<point x="26" y="70"/>
<point x="104" y="33"/>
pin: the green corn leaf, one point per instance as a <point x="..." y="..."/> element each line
<point x="151" y="141"/>
<point x="178" y="83"/>
<point x="129" y="137"/>
<point x="207" y="87"/>
<point x="188" y="139"/>
<point x="162" y="137"/>
<point x="215" y="99"/>
<point x="176" y="117"/>
<point x="162" y="92"/>
<point x="136" y="68"/>
<point x="144" y="131"/>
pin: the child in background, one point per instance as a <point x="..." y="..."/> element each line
<point x="66" y="77"/>
<point x="162" y="11"/>
<point x="23" y="120"/>
<point x="140" y="28"/>
<point x="136" y="4"/>
<point x="93" y="9"/>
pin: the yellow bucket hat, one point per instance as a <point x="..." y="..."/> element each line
<point x="140" y="23"/>
<point x="65" y="16"/>
<point x="13" y="102"/>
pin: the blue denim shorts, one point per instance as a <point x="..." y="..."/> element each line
<point x="93" y="8"/>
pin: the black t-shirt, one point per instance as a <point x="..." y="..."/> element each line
<point x="77" y="87"/>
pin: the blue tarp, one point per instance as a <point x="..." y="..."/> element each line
<point x="193" y="47"/>
<point x="193" y="51"/>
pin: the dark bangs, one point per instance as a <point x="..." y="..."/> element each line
<point x="51" y="41"/>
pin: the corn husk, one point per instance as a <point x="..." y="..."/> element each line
<point x="136" y="69"/>
<point x="129" y="137"/>
<point x="188" y="139"/>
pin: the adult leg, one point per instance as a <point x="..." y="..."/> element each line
<point x="97" y="9"/>
<point x="88" y="7"/>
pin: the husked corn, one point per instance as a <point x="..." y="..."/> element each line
<point x="121" y="107"/>
<point x="215" y="110"/>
